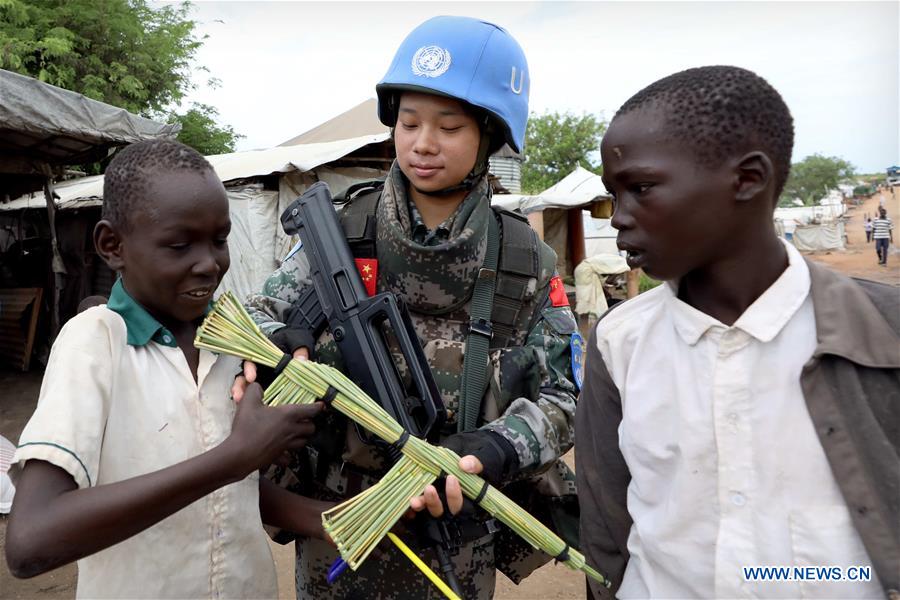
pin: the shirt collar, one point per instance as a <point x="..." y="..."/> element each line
<point x="140" y="325"/>
<point x="763" y="319"/>
<point x="420" y="232"/>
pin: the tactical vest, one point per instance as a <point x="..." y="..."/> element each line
<point x="520" y="258"/>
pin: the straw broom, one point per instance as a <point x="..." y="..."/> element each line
<point x="358" y="524"/>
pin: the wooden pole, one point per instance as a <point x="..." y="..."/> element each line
<point x="576" y="236"/>
<point x="56" y="262"/>
<point x="632" y="283"/>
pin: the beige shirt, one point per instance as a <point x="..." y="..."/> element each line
<point x="109" y="411"/>
<point x="727" y="470"/>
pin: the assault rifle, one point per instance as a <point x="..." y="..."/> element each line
<point x="360" y="326"/>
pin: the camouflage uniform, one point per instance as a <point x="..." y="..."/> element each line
<point x="530" y="399"/>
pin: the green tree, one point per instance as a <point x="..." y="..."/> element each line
<point x="555" y="144"/>
<point x="118" y="51"/>
<point x="812" y="178"/>
<point x="122" y="52"/>
<point x="200" y="130"/>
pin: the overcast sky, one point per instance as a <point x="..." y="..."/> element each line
<point x="285" y="67"/>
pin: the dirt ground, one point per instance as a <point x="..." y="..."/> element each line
<point x="552" y="582"/>
<point x="859" y="259"/>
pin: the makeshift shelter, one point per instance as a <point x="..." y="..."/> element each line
<point x="362" y="119"/>
<point x="260" y="184"/>
<point x="814" y="228"/>
<point x="557" y="213"/>
<point x="43" y="129"/>
<point x="819" y="236"/>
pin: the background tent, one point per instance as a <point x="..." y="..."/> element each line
<point x="557" y="214"/>
<point x="260" y="185"/>
<point x="362" y="119"/>
<point x="43" y="129"/>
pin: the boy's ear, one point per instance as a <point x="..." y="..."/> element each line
<point x="754" y="174"/>
<point x="108" y="244"/>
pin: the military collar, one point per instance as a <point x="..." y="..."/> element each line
<point x="420" y="232"/>
<point x="140" y="325"/>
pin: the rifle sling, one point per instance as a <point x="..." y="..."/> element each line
<point x="474" y="376"/>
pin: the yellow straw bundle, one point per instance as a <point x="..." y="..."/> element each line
<point x="358" y="524"/>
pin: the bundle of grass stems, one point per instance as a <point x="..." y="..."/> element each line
<point x="358" y="524"/>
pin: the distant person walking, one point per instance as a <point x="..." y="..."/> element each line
<point x="868" y="227"/>
<point x="882" y="232"/>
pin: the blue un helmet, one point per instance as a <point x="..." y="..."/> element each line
<point x="466" y="59"/>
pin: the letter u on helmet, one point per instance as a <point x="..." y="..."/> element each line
<point x="466" y="59"/>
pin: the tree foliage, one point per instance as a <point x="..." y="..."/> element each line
<point x="200" y="130"/>
<point x="555" y="144"/>
<point x="118" y="51"/>
<point x="812" y="178"/>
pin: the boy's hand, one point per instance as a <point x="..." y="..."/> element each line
<point x="260" y="434"/>
<point x="249" y="376"/>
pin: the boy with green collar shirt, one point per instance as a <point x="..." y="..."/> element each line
<point x="745" y="413"/>
<point x="136" y="461"/>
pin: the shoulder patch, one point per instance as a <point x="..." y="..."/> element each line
<point x="576" y="343"/>
<point x="561" y="320"/>
<point x="558" y="292"/>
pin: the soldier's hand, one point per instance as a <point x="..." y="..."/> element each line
<point x="431" y="500"/>
<point x="248" y="375"/>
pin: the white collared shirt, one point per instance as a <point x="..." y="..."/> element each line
<point x="727" y="470"/>
<point x="109" y="411"/>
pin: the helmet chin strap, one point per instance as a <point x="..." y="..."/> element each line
<point x="478" y="170"/>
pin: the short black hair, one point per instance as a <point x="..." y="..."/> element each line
<point x="720" y="111"/>
<point x="133" y="169"/>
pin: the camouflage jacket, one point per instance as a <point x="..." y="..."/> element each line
<point x="531" y="397"/>
<point x="531" y="394"/>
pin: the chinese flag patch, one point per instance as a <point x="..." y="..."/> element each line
<point x="558" y="292"/>
<point x="368" y="270"/>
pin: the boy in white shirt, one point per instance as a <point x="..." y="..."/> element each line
<point x="136" y="462"/>
<point x="745" y="413"/>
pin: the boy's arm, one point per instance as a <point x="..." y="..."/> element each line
<point x="53" y="522"/>
<point x="601" y="474"/>
<point x="291" y="512"/>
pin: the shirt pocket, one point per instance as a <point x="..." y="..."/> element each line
<point x="515" y="373"/>
<point x="445" y="357"/>
<point x="824" y="536"/>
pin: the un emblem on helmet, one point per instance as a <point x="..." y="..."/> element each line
<point x="430" y="61"/>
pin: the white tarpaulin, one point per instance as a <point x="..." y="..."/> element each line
<point x="252" y="240"/>
<point x="578" y="188"/>
<point x="283" y="159"/>
<point x="88" y="191"/>
<point x="827" y="236"/>
<point x="48" y="124"/>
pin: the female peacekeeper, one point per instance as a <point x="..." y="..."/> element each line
<point x="456" y="91"/>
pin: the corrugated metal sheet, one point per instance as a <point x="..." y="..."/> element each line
<point x="509" y="170"/>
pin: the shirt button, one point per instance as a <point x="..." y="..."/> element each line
<point x="732" y="417"/>
<point x="738" y="499"/>
<point x="167" y="339"/>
